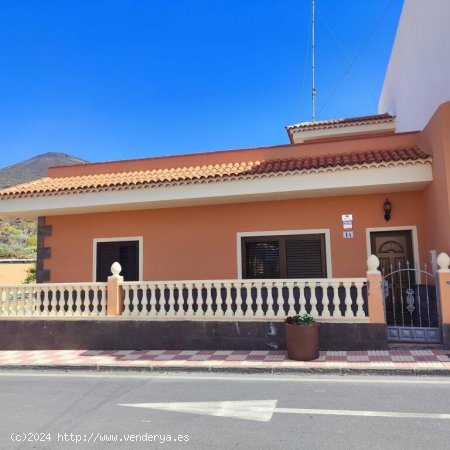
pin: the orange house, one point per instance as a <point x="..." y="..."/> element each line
<point x="317" y="208"/>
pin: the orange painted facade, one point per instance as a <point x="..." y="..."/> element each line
<point x="201" y="242"/>
<point x="435" y="138"/>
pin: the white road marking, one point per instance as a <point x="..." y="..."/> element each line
<point x="263" y="410"/>
<point x="349" y="412"/>
<point x="260" y="410"/>
<point x="301" y="378"/>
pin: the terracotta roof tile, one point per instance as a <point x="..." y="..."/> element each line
<point x="49" y="185"/>
<point x="335" y="123"/>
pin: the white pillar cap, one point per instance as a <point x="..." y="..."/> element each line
<point x="116" y="268"/>
<point x="443" y="261"/>
<point x="372" y="264"/>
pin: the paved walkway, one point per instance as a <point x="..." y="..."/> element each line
<point x="382" y="361"/>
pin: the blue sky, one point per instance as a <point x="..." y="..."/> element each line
<point x="113" y="79"/>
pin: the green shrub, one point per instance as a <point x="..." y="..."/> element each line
<point x="31" y="275"/>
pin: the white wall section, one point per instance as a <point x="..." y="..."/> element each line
<point x="417" y="79"/>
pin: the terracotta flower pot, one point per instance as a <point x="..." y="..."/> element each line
<point x="302" y="341"/>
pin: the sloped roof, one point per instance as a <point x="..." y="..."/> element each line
<point x="185" y="175"/>
<point x="336" y="123"/>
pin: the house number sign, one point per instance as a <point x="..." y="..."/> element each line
<point x="347" y="225"/>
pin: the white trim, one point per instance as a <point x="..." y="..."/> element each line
<point x="325" y="231"/>
<point x="415" y="241"/>
<point x="140" y="239"/>
<point x="325" y="182"/>
<point x="306" y="134"/>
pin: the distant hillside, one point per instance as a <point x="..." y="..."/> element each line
<point x="34" y="168"/>
<point x="18" y="236"/>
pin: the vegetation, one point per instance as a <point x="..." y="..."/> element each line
<point x="298" y="319"/>
<point x="18" y="238"/>
<point x="31" y="275"/>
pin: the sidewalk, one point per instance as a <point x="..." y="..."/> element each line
<point x="393" y="362"/>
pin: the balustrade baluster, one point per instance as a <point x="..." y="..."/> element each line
<point x="171" y="300"/>
<point x="28" y="299"/>
<point x="101" y="291"/>
<point x="208" y="299"/>
<point x="145" y="301"/>
<point x="77" y="301"/>
<point x="8" y="302"/>
<point x="348" y="299"/>
<point x="97" y="298"/>
<point x="190" y="312"/>
<point x="228" y="300"/>
<point x="3" y="302"/>
<point x="66" y="306"/>
<point x="313" y="300"/>
<point x="42" y="301"/>
<point x="359" y="299"/>
<point x="9" y="299"/>
<point x="16" y="303"/>
<point x="34" y="305"/>
<point x="151" y="289"/>
<point x="83" y="302"/>
<point x="127" y="300"/>
<point x="258" y="300"/>
<point x="135" y="301"/>
<point x="287" y="305"/>
<point x="51" y="293"/>
<point x="271" y="299"/>
<point x="325" y="300"/>
<point x="336" y="300"/>
<point x="238" y="286"/>
<point x="61" y="300"/>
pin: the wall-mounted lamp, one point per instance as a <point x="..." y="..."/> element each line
<point x="387" y="206"/>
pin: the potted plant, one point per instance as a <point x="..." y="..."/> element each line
<point x="302" y="337"/>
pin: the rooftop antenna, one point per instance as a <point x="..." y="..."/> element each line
<point x="313" y="92"/>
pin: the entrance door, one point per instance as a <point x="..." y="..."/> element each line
<point x="394" y="250"/>
<point x="410" y="294"/>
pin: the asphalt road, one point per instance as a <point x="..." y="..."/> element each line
<point x="55" y="410"/>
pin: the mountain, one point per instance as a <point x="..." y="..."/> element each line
<point x="18" y="236"/>
<point x="34" y="168"/>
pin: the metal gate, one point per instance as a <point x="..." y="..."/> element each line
<point x="411" y="305"/>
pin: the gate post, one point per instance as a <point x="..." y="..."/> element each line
<point x="114" y="292"/>
<point x="443" y="261"/>
<point x="375" y="301"/>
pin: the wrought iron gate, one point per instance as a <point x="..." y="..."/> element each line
<point x="411" y="305"/>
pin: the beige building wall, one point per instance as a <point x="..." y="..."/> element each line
<point x="13" y="273"/>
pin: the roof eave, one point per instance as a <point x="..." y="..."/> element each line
<point x="374" y="178"/>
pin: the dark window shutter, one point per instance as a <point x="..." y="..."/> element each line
<point x="305" y="258"/>
<point x="262" y="259"/>
<point x="129" y="260"/>
<point x="293" y="256"/>
<point x="125" y="252"/>
<point x="106" y="255"/>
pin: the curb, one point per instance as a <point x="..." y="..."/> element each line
<point x="229" y="370"/>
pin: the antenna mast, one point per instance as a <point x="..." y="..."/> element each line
<point x="313" y="92"/>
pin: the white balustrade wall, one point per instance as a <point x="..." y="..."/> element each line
<point x="56" y="299"/>
<point x="325" y="299"/>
